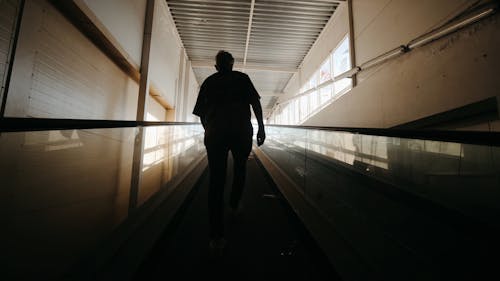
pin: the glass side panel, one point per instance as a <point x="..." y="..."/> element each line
<point x="168" y="151"/>
<point x="461" y="177"/>
<point x="411" y="205"/>
<point x="64" y="191"/>
<point x="286" y="147"/>
<point x="325" y="72"/>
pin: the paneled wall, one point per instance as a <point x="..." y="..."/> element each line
<point x="60" y="73"/>
<point x="8" y="13"/>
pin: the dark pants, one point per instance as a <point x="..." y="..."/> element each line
<point x="217" y="152"/>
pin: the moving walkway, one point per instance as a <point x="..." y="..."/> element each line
<point x="126" y="200"/>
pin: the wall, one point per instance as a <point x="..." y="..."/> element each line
<point x="59" y="73"/>
<point x="125" y="26"/>
<point x="192" y="95"/>
<point x="165" y="49"/>
<point x="156" y="112"/>
<point x="167" y="69"/>
<point x="448" y="73"/>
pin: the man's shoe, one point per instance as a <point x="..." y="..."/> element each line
<point x="217" y="246"/>
<point x="234" y="214"/>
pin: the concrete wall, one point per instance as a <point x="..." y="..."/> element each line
<point x="124" y="21"/>
<point x="188" y="94"/>
<point x="165" y="49"/>
<point x="59" y="73"/>
<point x="155" y="112"/>
<point x="448" y="73"/>
<point x="192" y="95"/>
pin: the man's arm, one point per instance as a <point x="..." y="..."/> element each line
<point x="203" y="121"/>
<point x="261" y="134"/>
<point x="257" y="109"/>
<point x="254" y="100"/>
<point x="200" y="106"/>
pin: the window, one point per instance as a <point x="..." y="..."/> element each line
<point x="295" y="110"/>
<point x="341" y="64"/>
<point x="313" y="81"/>
<point x="325" y="94"/>
<point x="304" y="106"/>
<point x="313" y="101"/>
<point x="336" y="63"/>
<point x="325" y="72"/>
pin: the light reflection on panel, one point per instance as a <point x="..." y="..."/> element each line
<point x="463" y="177"/>
<point x="67" y="188"/>
<point x="168" y="151"/>
<point x="63" y="191"/>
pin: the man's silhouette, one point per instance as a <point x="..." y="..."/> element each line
<point x="223" y="106"/>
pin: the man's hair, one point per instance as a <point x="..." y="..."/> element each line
<point x="224" y="61"/>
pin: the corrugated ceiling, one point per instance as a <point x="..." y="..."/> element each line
<point x="281" y="34"/>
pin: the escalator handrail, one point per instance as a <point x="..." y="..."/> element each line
<point x="467" y="137"/>
<point x="14" y="124"/>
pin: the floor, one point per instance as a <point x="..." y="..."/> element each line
<point x="265" y="242"/>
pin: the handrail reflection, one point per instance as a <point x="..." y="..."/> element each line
<point x="431" y="170"/>
<point x="469" y="137"/>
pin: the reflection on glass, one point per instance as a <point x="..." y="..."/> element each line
<point x="168" y="152"/>
<point x="52" y="140"/>
<point x="72" y="188"/>
<point x="463" y="177"/>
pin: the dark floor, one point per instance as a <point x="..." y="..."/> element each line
<point x="265" y="243"/>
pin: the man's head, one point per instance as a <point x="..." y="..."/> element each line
<point x="224" y="61"/>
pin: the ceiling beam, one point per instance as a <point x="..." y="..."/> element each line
<point x="210" y="64"/>
<point x="250" y="19"/>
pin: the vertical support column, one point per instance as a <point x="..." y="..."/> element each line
<point x="352" y="49"/>
<point x="146" y="50"/>
<point x="179" y="97"/>
<point x="187" y="73"/>
<point x="10" y="63"/>
<point x="136" y="178"/>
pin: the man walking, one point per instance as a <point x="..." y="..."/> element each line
<point x="223" y="106"/>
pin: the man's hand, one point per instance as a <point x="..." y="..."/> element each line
<point x="261" y="136"/>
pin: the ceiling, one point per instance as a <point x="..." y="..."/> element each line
<point x="268" y="38"/>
